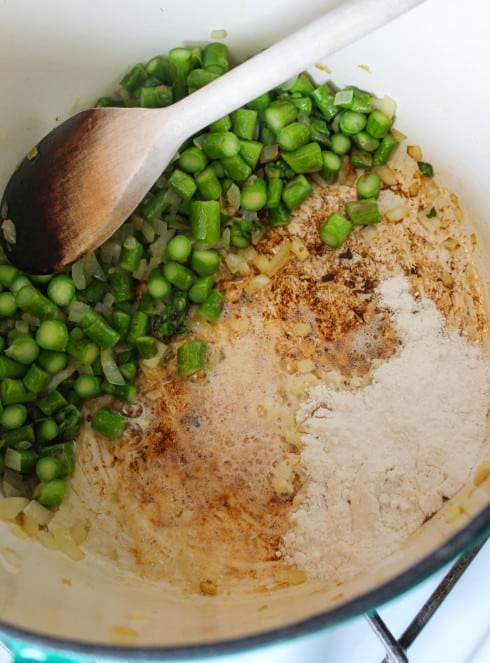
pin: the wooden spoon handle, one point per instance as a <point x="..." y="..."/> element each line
<point x="350" y="20"/>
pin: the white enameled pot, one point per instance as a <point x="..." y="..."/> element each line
<point x="55" y="58"/>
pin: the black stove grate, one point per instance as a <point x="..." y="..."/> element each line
<point x="397" y="648"/>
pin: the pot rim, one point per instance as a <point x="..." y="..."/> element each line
<point x="72" y="650"/>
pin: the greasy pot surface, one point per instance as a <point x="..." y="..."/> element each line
<point x="55" y="60"/>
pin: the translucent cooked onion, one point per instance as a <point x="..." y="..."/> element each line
<point x="415" y="151"/>
<point x="13" y="485"/>
<point x="103" y="309"/>
<point x="47" y="540"/>
<point x="141" y="272"/>
<point x="218" y="34"/>
<point x="39" y="513"/>
<point x="269" y="153"/>
<point x="78" y="275"/>
<point x="233" y="199"/>
<point x="79" y="532"/>
<point x="10" y="507"/>
<point x="110" y="251"/>
<point x="160" y="227"/>
<point x="257" y="283"/>
<point x="430" y="223"/>
<point x="66" y="543"/>
<point x="280" y="258"/>
<point x="109" y="300"/>
<point x="298" y="247"/>
<point x="110" y="368"/>
<point x="92" y="267"/>
<point x="343" y="97"/>
<point x="399" y="136"/>
<point x="76" y="311"/>
<point x="451" y="244"/>
<point x="369" y="232"/>
<point x="237" y="264"/>
<point x="387" y="105"/>
<point x="386" y="175"/>
<point x="397" y="213"/>
<point x="157" y="251"/>
<point x="63" y="375"/>
<point x="154" y="361"/>
<point x="147" y="231"/>
<point x="9" y="231"/>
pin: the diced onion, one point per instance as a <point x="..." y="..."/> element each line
<point x="343" y="97"/>
<point x="249" y="253"/>
<point x="398" y="135"/>
<point x="301" y="329"/>
<point x="250" y="216"/>
<point x="233" y="199"/>
<point x="47" y="540"/>
<point x="280" y="258"/>
<point x="198" y="140"/>
<point x="78" y="275"/>
<point x="147" y="231"/>
<point x="368" y="232"/>
<point x="92" y="268"/>
<point x="299" y="249"/>
<point x="386" y="175"/>
<point x="13" y="484"/>
<point x="9" y="231"/>
<point x="110" y="251"/>
<point x="33" y="153"/>
<point x="157" y="250"/>
<point x="141" y="272"/>
<point x="154" y="361"/>
<point x="415" y="151"/>
<point x="30" y="526"/>
<point x="10" y="507"/>
<point x="104" y="310"/>
<point x="218" y="34"/>
<point x="159" y="226"/>
<point x="261" y="263"/>
<point x="387" y="105"/>
<point x="432" y="224"/>
<point x="451" y="244"/>
<point x="237" y="264"/>
<point x="108" y="300"/>
<point x="66" y="544"/>
<point x="397" y="213"/>
<point x="110" y="368"/>
<point x="256" y="283"/>
<point x="60" y="377"/>
<point x="38" y="513"/>
<point x="76" y="311"/>
<point x="79" y="532"/>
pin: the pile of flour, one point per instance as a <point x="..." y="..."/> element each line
<point x="381" y="459"/>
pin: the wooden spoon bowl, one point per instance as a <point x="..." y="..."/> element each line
<point x="84" y="179"/>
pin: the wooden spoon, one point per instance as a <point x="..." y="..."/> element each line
<point x="84" y="179"/>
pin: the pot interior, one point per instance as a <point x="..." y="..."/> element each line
<point x="58" y="60"/>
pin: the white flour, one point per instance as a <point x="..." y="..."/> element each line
<point x="381" y="459"/>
